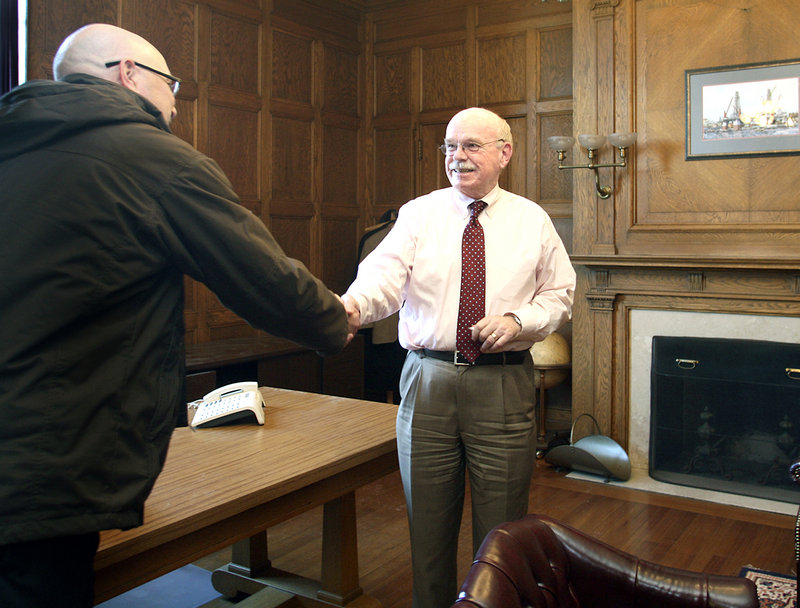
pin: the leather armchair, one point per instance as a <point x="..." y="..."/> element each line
<point x="539" y="562"/>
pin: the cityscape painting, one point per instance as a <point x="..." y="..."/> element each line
<point x="743" y="110"/>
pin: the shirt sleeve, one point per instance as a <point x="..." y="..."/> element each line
<point x="551" y="305"/>
<point x="382" y="276"/>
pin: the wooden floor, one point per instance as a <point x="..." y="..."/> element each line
<point x="672" y="531"/>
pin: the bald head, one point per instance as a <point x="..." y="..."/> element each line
<point x="89" y="48"/>
<point x="486" y="118"/>
<point x="137" y="62"/>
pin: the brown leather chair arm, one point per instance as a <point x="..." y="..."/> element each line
<point x="621" y="575"/>
<point x="539" y="562"/>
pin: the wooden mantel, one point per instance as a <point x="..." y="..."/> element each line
<point x="617" y="261"/>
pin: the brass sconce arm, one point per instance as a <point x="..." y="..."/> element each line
<point x="621" y="141"/>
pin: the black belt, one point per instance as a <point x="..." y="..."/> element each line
<point x="509" y="357"/>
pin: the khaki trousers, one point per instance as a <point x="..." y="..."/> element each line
<point x="452" y="419"/>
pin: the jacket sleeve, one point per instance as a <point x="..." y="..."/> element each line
<point x="215" y="240"/>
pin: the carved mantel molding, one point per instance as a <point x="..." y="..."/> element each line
<point x="604" y="8"/>
<point x="622" y="261"/>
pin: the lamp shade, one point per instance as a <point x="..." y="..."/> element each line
<point x="560" y="143"/>
<point x="591" y="142"/>
<point x="622" y="140"/>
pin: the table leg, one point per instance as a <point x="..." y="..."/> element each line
<point x="250" y="556"/>
<point x="339" y="551"/>
<point x="250" y="571"/>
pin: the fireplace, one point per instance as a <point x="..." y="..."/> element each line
<point x="725" y="414"/>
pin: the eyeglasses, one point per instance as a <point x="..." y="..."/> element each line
<point x="174" y="85"/>
<point x="470" y="147"/>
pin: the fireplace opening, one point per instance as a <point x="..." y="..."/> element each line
<point x="725" y="415"/>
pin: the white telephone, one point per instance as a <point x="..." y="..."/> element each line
<point x="236" y="401"/>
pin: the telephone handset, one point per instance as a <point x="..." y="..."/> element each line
<point x="240" y="400"/>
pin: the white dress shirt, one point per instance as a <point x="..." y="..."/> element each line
<point x="417" y="269"/>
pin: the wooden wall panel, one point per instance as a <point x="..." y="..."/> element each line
<point x="294" y="235"/>
<point x="183" y="125"/>
<point x="291" y="67"/>
<point x="555" y="64"/>
<point x="431" y="167"/>
<point x="394" y="167"/>
<point x="556" y="186"/>
<point x="706" y="198"/>
<point x="419" y="20"/>
<point x="341" y="83"/>
<point x="502" y="70"/>
<point x="340" y="238"/>
<point x="291" y="159"/>
<point x="236" y="144"/>
<point x="235" y="58"/>
<point x="393" y="86"/>
<point x="193" y="310"/>
<point x="324" y="20"/>
<point x="514" y="177"/>
<point x="443" y="77"/>
<point x="340" y="174"/>
<point x="503" y="14"/>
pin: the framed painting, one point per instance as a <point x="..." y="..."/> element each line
<point x="744" y="110"/>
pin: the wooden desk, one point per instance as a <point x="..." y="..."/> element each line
<point x="223" y="485"/>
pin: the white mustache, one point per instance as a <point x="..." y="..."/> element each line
<point x="461" y="166"/>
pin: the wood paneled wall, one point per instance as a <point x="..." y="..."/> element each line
<point x="715" y="235"/>
<point x="324" y="115"/>
<point x="429" y="60"/>
<point x="272" y="91"/>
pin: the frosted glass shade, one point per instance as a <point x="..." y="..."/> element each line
<point x="591" y="142"/>
<point x="560" y="143"/>
<point x="622" y="140"/>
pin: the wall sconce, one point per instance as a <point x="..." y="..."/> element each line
<point x="592" y="143"/>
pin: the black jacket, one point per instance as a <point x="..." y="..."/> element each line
<point x="102" y="212"/>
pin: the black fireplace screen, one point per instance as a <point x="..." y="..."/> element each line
<point x="725" y="415"/>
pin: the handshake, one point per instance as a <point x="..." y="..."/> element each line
<point x="353" y="316"/>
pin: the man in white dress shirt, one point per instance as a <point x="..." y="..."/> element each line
<point x="457" y="415"/>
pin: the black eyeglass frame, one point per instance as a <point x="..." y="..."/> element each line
<point x="176" y="82"/>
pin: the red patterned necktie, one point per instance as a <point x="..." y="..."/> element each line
<point x="472" y="304"/>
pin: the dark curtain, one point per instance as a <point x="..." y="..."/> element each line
<point x="9" y="41"/>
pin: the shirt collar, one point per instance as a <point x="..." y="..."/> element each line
<point x="463" y="202"/>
